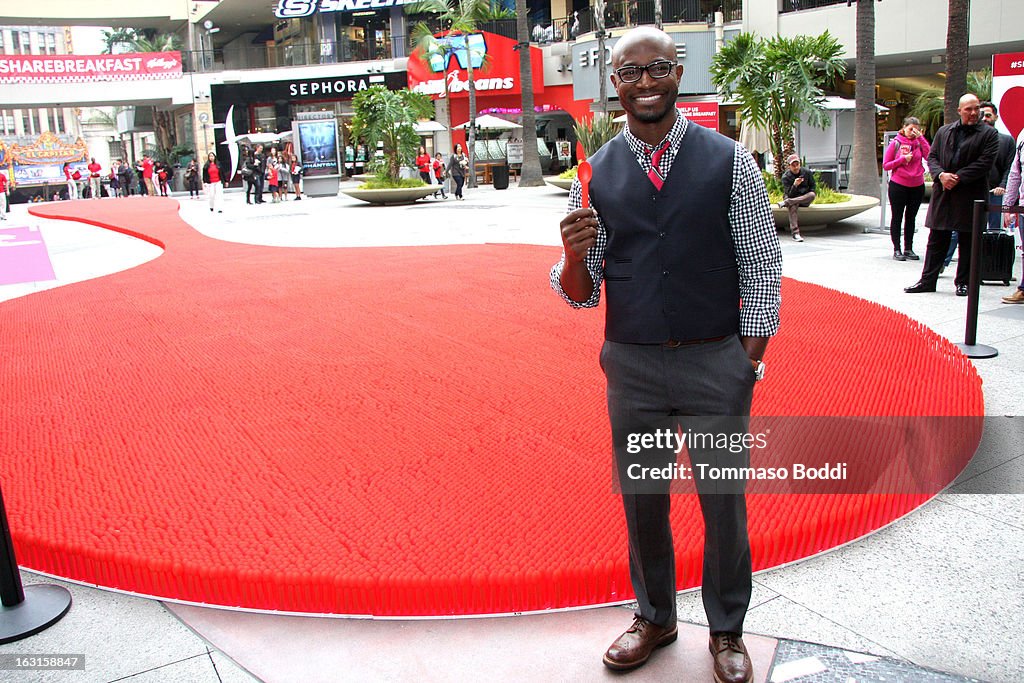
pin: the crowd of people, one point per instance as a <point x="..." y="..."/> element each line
<point x="147" y="176"/>
<point x="274" y="172"/>
<point x="438" y="170"/>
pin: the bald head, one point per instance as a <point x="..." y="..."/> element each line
<point x="969" y="109"/>
<point x="648" y="37"/>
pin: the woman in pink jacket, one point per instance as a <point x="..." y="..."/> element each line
<point x="905" y="159"/>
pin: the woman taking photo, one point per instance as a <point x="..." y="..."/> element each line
<point x="905" y="160"/>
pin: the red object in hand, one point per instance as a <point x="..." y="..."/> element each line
<point x="584" y="173"/>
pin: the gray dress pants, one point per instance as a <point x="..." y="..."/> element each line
<point x="649" y="385"/>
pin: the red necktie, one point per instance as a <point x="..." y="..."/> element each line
<point x="655" y="173"/>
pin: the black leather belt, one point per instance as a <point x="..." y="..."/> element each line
<point x="675" y="343"/>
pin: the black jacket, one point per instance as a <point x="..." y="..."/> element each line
<point x="1000" y="172"/>
<point x="206" y="173"/>
<point x="953" y="209"/>
<point x="789" y="189"/>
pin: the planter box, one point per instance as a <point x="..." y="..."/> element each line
<point x="398" y="195"/>
<point x="817" y="216"/>
<point x="564" y="184"/>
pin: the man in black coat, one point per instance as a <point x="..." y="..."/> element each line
<point x="962" y="155"/>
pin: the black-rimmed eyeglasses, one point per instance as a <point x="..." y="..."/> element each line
<point x="657" y="69"/>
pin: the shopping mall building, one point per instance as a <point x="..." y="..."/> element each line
<point x="246" y="67"/>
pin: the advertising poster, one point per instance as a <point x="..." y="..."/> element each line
<point x="1008" y="93"/>
<point x="318" y="146"/>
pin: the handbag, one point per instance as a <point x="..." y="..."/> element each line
<point x="76" y="176"/>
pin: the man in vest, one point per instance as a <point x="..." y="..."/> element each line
<point x="680" y="232"/>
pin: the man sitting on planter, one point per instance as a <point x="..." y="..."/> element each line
<point x="798" y="190"/>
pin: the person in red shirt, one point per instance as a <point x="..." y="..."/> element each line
<point x="214" y="179"/>
<point x="439" y="174"/>
<point x="147" y="175"/>
<point x="69" y="175"/>
<point x="423" y="164"/>
<point x="94" y="179"/>
<point x="3" y="197"/>
<point x="273" y="177"/>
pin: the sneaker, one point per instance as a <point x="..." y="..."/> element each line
<point x="899" y="256"/>
<point x="911" y="256"/>
<point x="782" y="204"/>
<point x="1016" y="298"/>
<point x="797" y="237"/>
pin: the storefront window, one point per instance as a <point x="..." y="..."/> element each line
<point x="363" y="36"/>
<point x="265" y="119"/>
<point x="186" y="129"/>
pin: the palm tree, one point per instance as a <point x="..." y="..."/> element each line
<point x="929" y="106"/>
<point x="163" y="121"/>
<point x="429" y="47"/>
<point x="461" y="17"/>
<point x="958" y="31"/>
<point x="778" y="81"/>
<point x="531" y="175"/>
<point x="388" y="117"/>
<point x="119" y="36"/>
<point x="864" y="172"/>
<point x="602" y="68"/>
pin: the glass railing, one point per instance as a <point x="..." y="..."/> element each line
<point x="618" y="14"/>
<point x="626" y="13"/>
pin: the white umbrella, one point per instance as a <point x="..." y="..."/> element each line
<point x="259" y="138"/>
<point x="488" y="122"/>
<point x="424" y="127"/>
<point x="753" y="138"/>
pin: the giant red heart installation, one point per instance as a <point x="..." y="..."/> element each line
<point x="1011" y="110"/>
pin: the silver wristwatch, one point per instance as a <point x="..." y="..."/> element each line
<point x="758" y="369"/>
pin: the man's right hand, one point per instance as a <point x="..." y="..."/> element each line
<point x="579" y="233"/>
<point x="949" y="180"/>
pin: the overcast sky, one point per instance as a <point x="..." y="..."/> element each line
<point x="88" y="40"/>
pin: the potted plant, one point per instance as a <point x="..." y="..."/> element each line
<point x="592" y="136"/>
<point x="385" y="119"/>
<point x="829" y="206"/>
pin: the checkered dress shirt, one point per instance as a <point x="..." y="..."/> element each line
<point x="758" y="255"/>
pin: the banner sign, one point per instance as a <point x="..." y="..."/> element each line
<point x="318" y="147"/>
<point x="703" y="113"/>
<point x="493" y="58"/>
<point x="133" y="66"/>
<point x="1008" y="92"/>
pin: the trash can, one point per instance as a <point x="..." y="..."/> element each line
<point x="500" y="177"/>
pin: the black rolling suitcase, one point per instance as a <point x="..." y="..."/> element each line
<point x="997" y="256"/>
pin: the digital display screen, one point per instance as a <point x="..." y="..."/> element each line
<point x="318" y="146"/>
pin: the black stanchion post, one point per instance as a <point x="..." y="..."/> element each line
<point x="971" y="348"/>
<point x="25" y="611"/>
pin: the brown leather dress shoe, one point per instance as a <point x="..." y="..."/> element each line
<point x="634" y="647"/>
<point x="732" y="663"/>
